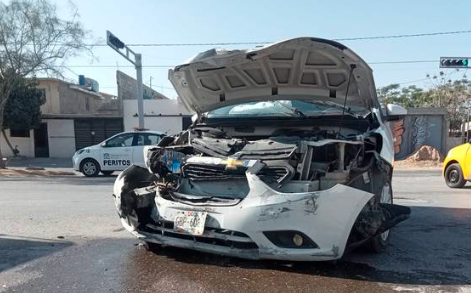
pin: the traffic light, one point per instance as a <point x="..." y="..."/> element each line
<point x="454" y="62"/>
<point x="114" y="41"/>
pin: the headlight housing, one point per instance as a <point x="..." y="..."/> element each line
<point x="79" y="151"/>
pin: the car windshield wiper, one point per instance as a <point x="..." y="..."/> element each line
<point x="333" y="106"/>
<point x="293" y="110"/>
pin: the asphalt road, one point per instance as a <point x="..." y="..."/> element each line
<point x="63" y="235"/>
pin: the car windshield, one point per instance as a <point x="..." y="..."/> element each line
<point x="276" y="108"/>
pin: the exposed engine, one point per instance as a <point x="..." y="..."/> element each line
<point x="292" y="161"/>
<point x="205" y="166"/>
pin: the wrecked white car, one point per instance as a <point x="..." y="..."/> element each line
<point x="290" y="157"/>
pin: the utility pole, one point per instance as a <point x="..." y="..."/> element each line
<point x="116" y="44"/>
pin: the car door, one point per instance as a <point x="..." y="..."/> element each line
<point x="116" y="152"/>
<point x="142" y="140"/>
<point x="466" y="162"/>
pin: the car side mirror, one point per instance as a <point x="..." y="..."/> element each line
<point x="103" y="145"/>
<point x="395" y="112"/>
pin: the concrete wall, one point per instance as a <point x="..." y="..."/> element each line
<point x="451" y="142"/>
<point x="424" y="126"/>
<point x="61" y="138"/>
<point x="127" y="88"/>
<point x="25" y="144"/>
<point x="63" y="98"/>
<point x="61" y="135"/>
<point x="159" y="115"/>
<point x="51" y="88"/>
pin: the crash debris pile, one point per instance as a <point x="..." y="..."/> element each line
<point x="425" y="156"/>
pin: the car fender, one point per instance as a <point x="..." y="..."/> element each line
<point x="459" y="154"/>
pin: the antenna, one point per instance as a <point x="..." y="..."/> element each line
<point x="352" y="66"/>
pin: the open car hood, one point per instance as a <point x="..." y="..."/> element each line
<point x="301" y="68"/>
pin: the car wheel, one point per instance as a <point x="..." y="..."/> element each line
<point x="107" y="173"/>
<point x="151" y="246"/>
<point x="90" y="168"/>
<point x="454" y="176"/>
<point x="380" y="242"/>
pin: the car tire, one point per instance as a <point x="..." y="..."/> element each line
<point x="90" y="168"/>
<point x="379" y="243"/>
<point x="107" y="173"/>
<point x="153" y="247"/>
<point x="454" y="176"/>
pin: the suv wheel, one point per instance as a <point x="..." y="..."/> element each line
<point x="90" y="168"/>
<point x="454" y="176"/>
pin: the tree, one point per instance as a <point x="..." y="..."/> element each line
<point x="33" y="40"/>
<point x="455" y="97"/>
<point x="23" y="108"/>
<point x="410" y="97"/>
<point x="452" y="94"/>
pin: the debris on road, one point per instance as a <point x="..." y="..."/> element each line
<point x="425" y="156"/>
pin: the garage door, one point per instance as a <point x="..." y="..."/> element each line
<point x="92" y="131"/>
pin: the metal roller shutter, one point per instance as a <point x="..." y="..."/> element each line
<point x="92" y="131"/>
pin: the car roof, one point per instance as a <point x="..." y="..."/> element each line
<point x="143" y="131"/>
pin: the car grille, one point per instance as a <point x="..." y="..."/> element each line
<point x="213" y="236"/>
<point x="197" y="172"/>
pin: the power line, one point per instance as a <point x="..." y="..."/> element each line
<point x="170" y="66"/>
<point x="406" y="36"/>
<point x="413" y="81"/>
<point x="404" y="62"/>
<point x="266" y="42"/>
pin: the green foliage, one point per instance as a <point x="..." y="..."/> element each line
<point x="22" y="109"/>
<point x="409" y="97"/>
<point x="453" y="95"/>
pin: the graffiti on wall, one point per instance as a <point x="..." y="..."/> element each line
<point x="420" y="131"/>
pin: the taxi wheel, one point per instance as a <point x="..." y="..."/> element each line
<point x="454" y="176"/>
<point x="90" y="168"/>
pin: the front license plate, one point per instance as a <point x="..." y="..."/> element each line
<point x="190" y="222"/>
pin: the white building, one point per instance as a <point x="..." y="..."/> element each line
<point x="160" y="113"/>
<point x="167" y="116"/>
<point x="76" y="116"/>
<point x="72" y="117"/>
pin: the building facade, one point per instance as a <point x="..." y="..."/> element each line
<point x="73" y="116"/>
<point x="76" y="116"/>
<point x="168" y="116"/>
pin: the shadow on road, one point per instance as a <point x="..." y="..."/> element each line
<point x="431" y="248"/>
<point x="15" y="251"/>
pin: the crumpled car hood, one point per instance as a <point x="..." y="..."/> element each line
<point x="301" y="68"/>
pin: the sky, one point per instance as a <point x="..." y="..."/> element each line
<point x="211" y="21"/>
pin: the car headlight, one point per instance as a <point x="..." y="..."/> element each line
<point x="79" y="151"/>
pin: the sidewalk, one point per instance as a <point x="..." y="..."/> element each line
<point x="47" y="163"/>
<point x="37" y="167"/>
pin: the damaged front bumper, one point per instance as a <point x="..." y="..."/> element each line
<point x="261" y="225"/>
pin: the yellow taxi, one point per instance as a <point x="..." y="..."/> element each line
<point x="457" y="166"/>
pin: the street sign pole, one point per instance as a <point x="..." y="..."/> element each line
<point x="117" y="45"/>
<point x="140" y="94"/>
